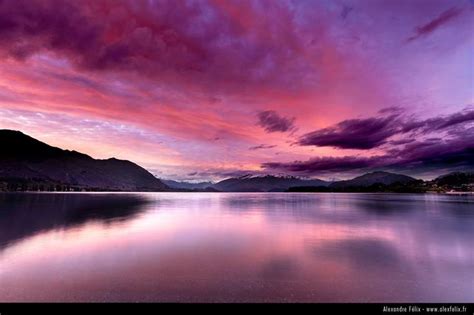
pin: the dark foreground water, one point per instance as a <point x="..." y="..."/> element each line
<point x="205" y="247"/>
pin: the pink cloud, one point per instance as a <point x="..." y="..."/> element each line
<point x="202" y="70"/>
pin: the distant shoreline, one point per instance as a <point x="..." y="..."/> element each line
<point x="34" y="166"/>
<point x="455" y="193"/>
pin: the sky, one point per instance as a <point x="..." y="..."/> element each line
<point x="210" y="89"/>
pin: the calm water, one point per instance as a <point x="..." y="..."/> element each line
<point x="236" y="247"/>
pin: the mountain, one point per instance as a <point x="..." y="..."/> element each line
<point x="369" y="179"/>
<point x="266" y="183"/>
<point x="455" y="179"/>
<point x="185" y="185"/>
<point x="26" y="163"/>
<point x="458" y="182"/>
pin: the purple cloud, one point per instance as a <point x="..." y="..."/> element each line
<point x="325" y="164"/>
<point x="262" y="146"/>
<point x="435" y="23"/>
<point x="272" y="122"/>
<point x="455" y="152"/>
<point x="439" y="123"/>
<point x="401" y="141"/>
<point x="369" y="133"/>
<point x="149" y="38"/>
<point x="354" y="134"/>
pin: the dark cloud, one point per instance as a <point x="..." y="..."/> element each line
<point x="262" y="146"/>
<point x="325" y="164"/>
<point x="452" y="153"/>
<point x="272" y="122"/>
<point x="354" y="134"/>
<point x="369" y="133"/>
<point x="101" y="35"/>
<point x="149" y="38"/>
<point x="27" y="27"/>
<point x="435" y="23"/>
<point x="455" y="151"/>
<point x="439" y="123"/>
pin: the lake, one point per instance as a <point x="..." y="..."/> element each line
<point x="236" y="247"/>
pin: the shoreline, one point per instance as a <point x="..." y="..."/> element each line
<point x="453" y="193"/>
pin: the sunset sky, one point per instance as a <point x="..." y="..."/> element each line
<point x="204" y="90"/>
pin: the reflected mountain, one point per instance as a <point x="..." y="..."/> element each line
<point x="378" y="205"/>
<point x="326" y="207"/>
<point x="24" y="215"/>
<point x="364" y="254"/>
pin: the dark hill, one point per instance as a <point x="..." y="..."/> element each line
<point x="455" y="179"/>
<point x="370" y="179"/>
<point x="27" y="162"/>
<point x="186" y="185"/>
<point x="265" y="183"/>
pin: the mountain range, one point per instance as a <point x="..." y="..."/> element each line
<point x="369" y="179"/>
<point x="455" y="179"/>
<point x="187" y="185"/>
<point x="267" y="183"/>
<point x="29" y="164"/>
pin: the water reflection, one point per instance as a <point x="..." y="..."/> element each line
<point x="237" y="247"/>
<point x="22" y="215"/>
<point x="361" y="253"/>
<point x="279" y="268"/>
